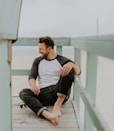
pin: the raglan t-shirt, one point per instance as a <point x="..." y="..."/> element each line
<point x="47" y="71"/>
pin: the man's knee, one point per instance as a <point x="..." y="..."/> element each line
<point x="70" y="76"/>
<point x="24" y="93"/>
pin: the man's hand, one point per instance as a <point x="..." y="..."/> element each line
<point x="35" y="90"/>
<point x="66" y="68"/>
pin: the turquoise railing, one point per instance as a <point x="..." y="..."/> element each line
<point x="94" y="46"/>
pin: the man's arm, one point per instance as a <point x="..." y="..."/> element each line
<point x="77" y="69"/>
<point x="34" y="88"/>
<point x="67" y="68"/>
<point x="33" y="76"/>
<point x="32" y="83"/>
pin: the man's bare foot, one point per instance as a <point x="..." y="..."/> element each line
<point x="52" y="117"/>
<point x="57" y="111"/>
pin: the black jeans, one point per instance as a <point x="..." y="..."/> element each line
<point x="48" y="95"/>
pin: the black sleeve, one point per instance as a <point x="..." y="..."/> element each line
<point x="63" y="60"/>
<point x="34" y="69"/>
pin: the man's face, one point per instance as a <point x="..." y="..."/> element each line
<point x="43" y="50"/>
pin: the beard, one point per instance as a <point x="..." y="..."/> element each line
<point x="45" y="56"/>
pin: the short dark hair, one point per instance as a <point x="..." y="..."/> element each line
<point x="47" y="40"/>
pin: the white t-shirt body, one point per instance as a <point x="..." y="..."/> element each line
<point x="49" y="72"/>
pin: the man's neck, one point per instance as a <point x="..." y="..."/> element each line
<point x="52" y="55"/>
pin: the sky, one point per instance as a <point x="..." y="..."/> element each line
<point x="66" y="18"/>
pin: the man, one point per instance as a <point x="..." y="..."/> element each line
<point x="55" y="75"/>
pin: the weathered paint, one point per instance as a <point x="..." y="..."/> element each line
<point x="9" y="52"/>
<point x="9" y="21"/>
<point x="5" y="88"/>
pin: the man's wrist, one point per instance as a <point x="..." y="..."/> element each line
<point x="33" y="86"/>
<point x="73" y="65"/>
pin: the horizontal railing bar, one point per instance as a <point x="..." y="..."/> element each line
<point x="77" y="115"/>
<point x="93" y="112"/>
<point x="18" y="72"/>
<point x="98" y="45"/>
<point x="100" y="48"/>
<point x="63" y="41"/>
<point x="97" y="38"/>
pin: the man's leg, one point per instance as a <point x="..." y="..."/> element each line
<point x="57" y="106"/>
<point x="65" y="84"/>
<point x="32" y="102"/>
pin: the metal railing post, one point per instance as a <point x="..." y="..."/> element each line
<point x="59" y="50"/>
<point x="77" y="60"/>
<point x="91" y="82"/>
<point x="5" y="86"/>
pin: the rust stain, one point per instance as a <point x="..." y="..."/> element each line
<point x="10" y="84"/>
<point x="9" y="62"/>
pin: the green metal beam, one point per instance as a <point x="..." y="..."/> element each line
<point x="76" y="92"/>
<point x="59" y="50"/>
<point x="34" y="41"/>
<point x="109" y="37"/>
<point x="20" y="72"/>
<point x="91" y="81"/>
<point x="93" y="112"/>
<point x="103" y="48"/>
<point x="5" y="86"/>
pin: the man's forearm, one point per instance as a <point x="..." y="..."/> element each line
<point x="32" y="82"/>
<point x="76" y="69"/>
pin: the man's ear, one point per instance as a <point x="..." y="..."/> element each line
<point x="49" y="48"/>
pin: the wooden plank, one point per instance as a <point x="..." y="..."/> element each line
<point x="25" y="120"/>
<point x="45" y="129"/>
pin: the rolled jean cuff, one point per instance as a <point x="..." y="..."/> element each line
<point x="40" y="111"/>
<point x="61" y="95"/>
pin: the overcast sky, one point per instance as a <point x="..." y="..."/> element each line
<point x="66" y="17"/>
